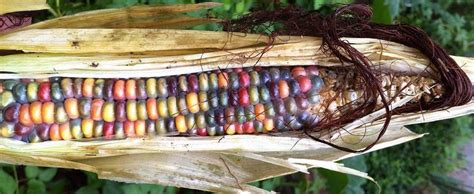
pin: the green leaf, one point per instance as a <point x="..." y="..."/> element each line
<point x="35" y="187"/>
<point x="57" y="186"/>
<point x="32" y="172"/>
<point x="111" y="187"/>
<point x="87" y="190"/>
<point x="48" y="174"/>
<point x="381" y="12"/>
<point x="131" y="188"/>
<point x="336" y="182"/>
<point x="7" y="183"/>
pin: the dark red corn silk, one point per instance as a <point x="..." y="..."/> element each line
<point x="354" y="21"/>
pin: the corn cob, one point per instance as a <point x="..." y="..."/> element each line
<point x="234" y="101"/>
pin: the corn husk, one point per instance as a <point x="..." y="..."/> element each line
<point x="23" y="5"/>
<point x="219" y="164"/>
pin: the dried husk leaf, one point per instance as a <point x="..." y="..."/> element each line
<point x="132" y="17"/>
<point x="8" y="6"/>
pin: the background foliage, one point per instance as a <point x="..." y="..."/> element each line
<point x="418" y="166"/>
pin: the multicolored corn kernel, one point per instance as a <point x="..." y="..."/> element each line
<point x="233" y="101"/>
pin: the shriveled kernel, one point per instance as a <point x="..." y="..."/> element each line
<point x="172" y="106"/>
<point x="22" y="130"/>
<point x="170" y="125"/>
<point x="213" y="81"/>
<point x="87" y="127"/>
<point x="72" y="108"/>
<point x="141" y="110"/>
<point x="234" y="80"/>
<point x="250" y="113"/>
<point x="35" y="112"/>
<point x="109" y="89"/>
<point x="203" y="101"/>
<point x="200" y="120"/>
<point x="119" y="131"/>
<point x="182" y="107"/>
<point x="88" y="88"/>
<point x="313" y="97"/>
<point x="140" y="128"/>
<point x="162" y="88"/>
<point x="131" y="109"/>
<point x="47" y="112"/>
<point x="65" y="131"/>
<point x="183" y="84"/>
<point x="54" y="133"/>
<point x="66" y="87"/>
<point x="151" y="87"/>
<point x="160" y="126"/>
<point x="172" y="86"/>
<point x="108" y="113"/>
<point x="60" y="113"/>
<point x="7" y="129"/>
<point x="131" y="89"/>
<point x="96" y="109"/>
<point x="76" y="87"/>
<point x="192" y="102"/>
<point x="119" y="90"/>
<point x="259" y="112"/>
<point x="203" y="82"/>
<point x="24" y="116"/>
<point x="193" y="83"/>
<point x="32" y="91"/>
<point x="162" y="108"/>
<point x="150" y="127"/>
<point x="98" y="128"/>
<point x="76" y="130"/>
<point x="253" y="95"/>
<point x="44" y="92"/>
<point x="151" y="109"/>
<point x="6" y="99"/>
<point x="120" y="111"/>
<point x="312" y="70"/>
<point x="141" y="89"/>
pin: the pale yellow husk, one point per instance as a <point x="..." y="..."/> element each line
<point x="8" y="6"/>
<point x="220" y="164"/>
